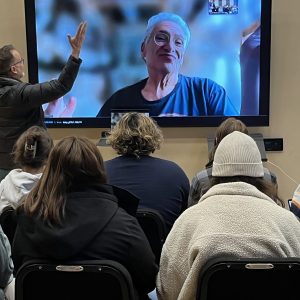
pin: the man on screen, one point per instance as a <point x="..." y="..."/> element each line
<point x="21" y="103"/>
<point x="166" y="92"/>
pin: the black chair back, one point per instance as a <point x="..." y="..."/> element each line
<point x="154" y="228"/>
<point x="8" y="222"/>
<point x="249" y="279"/>
<point x="99" y="279"/>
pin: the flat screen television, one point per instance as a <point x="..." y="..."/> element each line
<point x="230" y="44"/>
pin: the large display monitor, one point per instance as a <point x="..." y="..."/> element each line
<point x="230" y="44"/>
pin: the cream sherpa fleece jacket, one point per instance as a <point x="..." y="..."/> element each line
<point x="232" y="219"/>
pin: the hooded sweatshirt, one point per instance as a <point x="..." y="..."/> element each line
<point x="15" y="185"/>
<point x="94" y="227"/>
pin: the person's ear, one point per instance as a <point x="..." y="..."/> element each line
<point x="13" y="70"/>
<point x="143" y="51"/>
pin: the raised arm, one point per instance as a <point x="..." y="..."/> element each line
<point x="77" y="40"/>
<point x="40" y="93"/>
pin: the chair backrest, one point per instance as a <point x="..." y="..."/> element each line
<point x="154" y="228"/>
<point x="97" y="279"/>
<point x="8" y="222"/>
<point x="246" y="279"/>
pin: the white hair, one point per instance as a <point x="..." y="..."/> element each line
<point x="165" y="16"/>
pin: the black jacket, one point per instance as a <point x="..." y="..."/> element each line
<point x="95" y="227"/>
<point x="20" y="106"/>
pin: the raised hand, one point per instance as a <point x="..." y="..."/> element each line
<point x="247" y="31"/>
<point x="77" y="40"/>
<point x="58" y="109"/>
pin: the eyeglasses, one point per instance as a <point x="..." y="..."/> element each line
<point x="162" y="39"/>
<point x="21" y="61"/>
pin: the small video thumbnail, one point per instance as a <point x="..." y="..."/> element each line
<point x="223" y="7"/>
<point x="116" y="115"/>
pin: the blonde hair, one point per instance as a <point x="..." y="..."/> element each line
<point x="135" y="134"/>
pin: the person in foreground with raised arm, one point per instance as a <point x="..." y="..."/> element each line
<point x="21" y="103"/>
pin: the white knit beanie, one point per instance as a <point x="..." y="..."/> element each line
<point x="237" y="155"/>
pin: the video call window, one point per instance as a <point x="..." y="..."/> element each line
<point x="223" y="7"/>
<point x="221" y="37"/>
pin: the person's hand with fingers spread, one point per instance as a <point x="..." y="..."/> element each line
<point x="77" y="40"/>
<point x="59" y="109"/>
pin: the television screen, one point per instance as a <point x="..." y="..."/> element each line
<point x="230" y="45"/>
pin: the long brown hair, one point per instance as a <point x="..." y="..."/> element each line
<point x="226" y="127"/>
<point x="73" y="160"/>
<point x="268" y="188"/>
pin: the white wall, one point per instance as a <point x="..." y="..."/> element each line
<point x="187" y="146"/>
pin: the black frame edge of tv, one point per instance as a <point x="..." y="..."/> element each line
<point x="201" y="121"/>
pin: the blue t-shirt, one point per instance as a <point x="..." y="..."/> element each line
<point x="192" y="96"/>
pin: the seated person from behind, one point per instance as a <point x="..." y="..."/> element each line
<point x="201" y="181"/>
<point x="30" y="153"/>
<point x="166" y="92"/>
<point x="295" y="207"/>
<point x="160" y="184"/>
<point x="238" y="216"/>
<point x="6" y="265"/>
<point x="71" y="214"/>
<point x="295" y="203"/>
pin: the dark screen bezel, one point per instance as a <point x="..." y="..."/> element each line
<point x="201" y="121"/>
